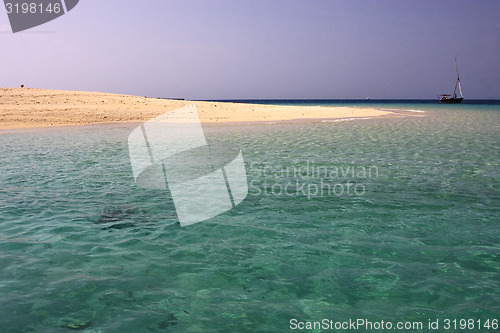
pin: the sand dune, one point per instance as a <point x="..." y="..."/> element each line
<point x="28" y="107"/>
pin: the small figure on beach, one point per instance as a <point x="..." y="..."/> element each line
<point x="22" y="85"/>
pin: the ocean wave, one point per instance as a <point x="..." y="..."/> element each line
<point x="405" y="110"/>
<point x="342" y="119"/>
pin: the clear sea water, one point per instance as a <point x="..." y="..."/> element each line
<point x="407" y="228"/>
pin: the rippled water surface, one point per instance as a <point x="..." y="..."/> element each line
<point x="394" y="219"/>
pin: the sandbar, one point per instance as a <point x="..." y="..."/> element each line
<point x="33" y="108"/>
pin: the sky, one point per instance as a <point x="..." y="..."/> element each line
<point x="270" y="49"/>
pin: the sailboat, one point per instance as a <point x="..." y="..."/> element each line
<point x="446" y="98"/>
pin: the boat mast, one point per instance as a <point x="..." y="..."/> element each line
<point x="458" y="82"/>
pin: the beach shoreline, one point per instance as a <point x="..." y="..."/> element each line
<point x="23" y="108"/>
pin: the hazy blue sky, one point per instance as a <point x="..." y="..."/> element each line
<point x="227" y="49"/>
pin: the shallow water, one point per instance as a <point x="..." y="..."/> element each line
<point x="393" y="219"/>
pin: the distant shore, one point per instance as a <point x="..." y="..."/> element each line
<point x="31" y="108"/>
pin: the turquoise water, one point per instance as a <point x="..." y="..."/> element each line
<point x="406" y="229"/>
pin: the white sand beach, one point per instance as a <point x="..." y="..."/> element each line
<point x="30" y="108"/>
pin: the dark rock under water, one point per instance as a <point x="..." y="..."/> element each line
<point x="121" y="217"/>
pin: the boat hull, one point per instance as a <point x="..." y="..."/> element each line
<point x="451" y="100"/>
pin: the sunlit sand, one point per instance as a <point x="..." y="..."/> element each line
<point x="29" y="108"/>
